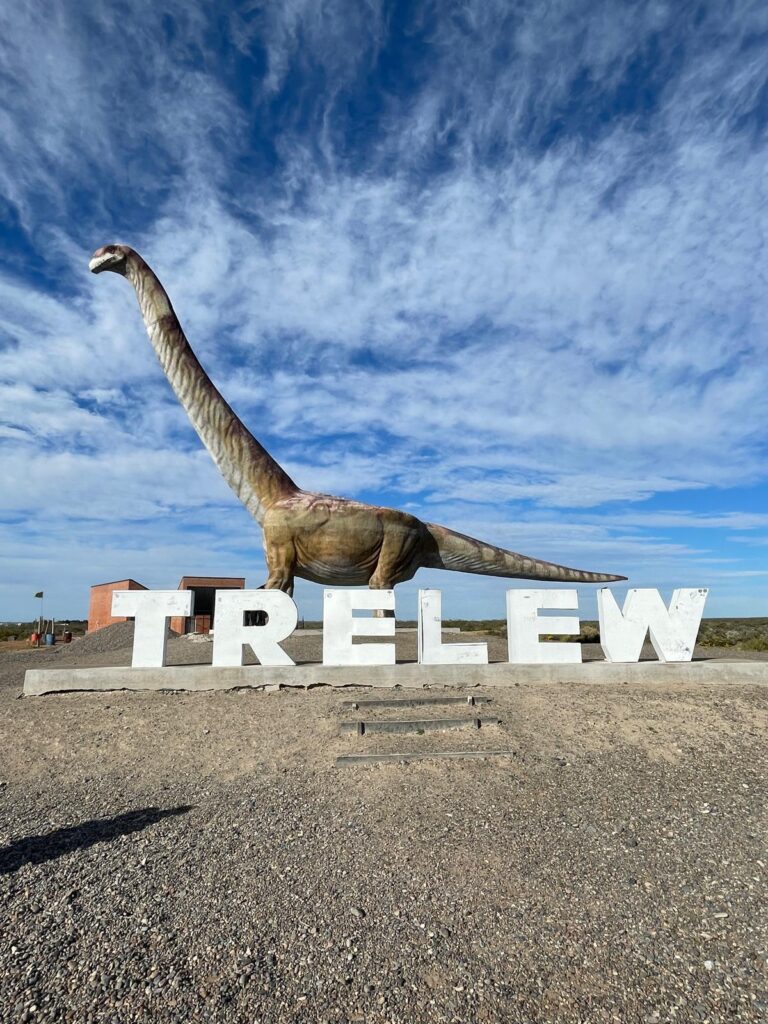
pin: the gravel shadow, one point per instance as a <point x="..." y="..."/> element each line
<point x="50" y="845"/>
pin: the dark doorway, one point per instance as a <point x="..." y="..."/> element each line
<point x="205" y="601"/>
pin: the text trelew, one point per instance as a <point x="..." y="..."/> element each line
<point x="672" y="629"/>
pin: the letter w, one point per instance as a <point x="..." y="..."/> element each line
<point x="673" y="631"/>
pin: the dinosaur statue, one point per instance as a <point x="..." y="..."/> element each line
<point x="334" y="541"/>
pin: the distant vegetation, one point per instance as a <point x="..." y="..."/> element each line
<point x="590" y="634"/>
<point x="491" y="627"/>
<point x="23" y="630"/>
<point x="744" y="634"/>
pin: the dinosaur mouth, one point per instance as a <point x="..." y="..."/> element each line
<point x="99" y="263"/>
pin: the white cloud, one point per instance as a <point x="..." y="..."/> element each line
<point x="689" y="520"/>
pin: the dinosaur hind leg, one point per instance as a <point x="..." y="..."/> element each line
<point x="382" y="613"/>
<point x="395" y="564"/>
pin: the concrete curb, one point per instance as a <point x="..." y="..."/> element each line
<point x="409" y="676"/>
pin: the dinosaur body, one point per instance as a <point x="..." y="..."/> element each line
<point x="334" y="541"/>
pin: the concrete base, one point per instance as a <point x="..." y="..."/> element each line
<point x="409" y="676"/>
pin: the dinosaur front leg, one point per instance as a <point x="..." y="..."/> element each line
<point x="279" y="581"/>
<point x="281" y="562"/>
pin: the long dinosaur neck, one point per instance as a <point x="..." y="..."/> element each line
<point x="248" y="468"/>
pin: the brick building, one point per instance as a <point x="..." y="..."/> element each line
<point x="100" y="606"/>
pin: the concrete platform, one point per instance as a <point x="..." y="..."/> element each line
<point x="409" y="676"/>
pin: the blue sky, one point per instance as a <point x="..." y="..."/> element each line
<point x="500" y="264"/>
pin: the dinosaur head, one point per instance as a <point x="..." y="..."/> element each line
<point x="110" y="257"/>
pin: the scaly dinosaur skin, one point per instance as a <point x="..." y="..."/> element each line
<point x="327" y="540"/>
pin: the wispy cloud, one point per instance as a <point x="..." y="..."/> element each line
<point x="491" y="263"/>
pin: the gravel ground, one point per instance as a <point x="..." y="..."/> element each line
<point x="198" y="857"/>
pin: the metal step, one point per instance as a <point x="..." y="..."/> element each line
<point x="350" y="760"/>
<point x="412" y="702"/>
<point x="418" y="725"/>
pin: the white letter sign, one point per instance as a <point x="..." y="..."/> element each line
<point x="673" y="632"/>
<point x="230" y="633"/>
<point x="525" y="625"/>
<point x="432" y="650"/>
<point x="151" y="609"/>
<point x="339" y="626"/>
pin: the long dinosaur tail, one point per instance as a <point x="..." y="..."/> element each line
<point x="447" y="549"/>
